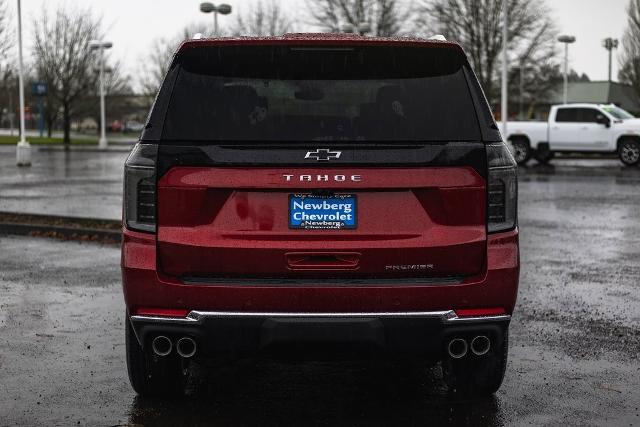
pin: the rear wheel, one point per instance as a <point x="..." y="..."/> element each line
<point x="151" y="375"/>
<point x="543" y="154"/>
<point x="477" y="375"/>
<point x="521" y="150"/>
<point x="629" y="151"/>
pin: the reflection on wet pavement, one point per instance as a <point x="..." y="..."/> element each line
<point x="310" y="393"/>
<point x="573" y="353"/>
<point x="76" y="183"/>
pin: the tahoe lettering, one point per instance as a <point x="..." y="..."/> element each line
<point x="322" y="178"/>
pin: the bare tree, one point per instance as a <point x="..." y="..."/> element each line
<point x="156" y="63"/>
<point x="64" y="61"/>
<point x="477" y="26"/>
<point x="385" y="17"/>
<point x="630" y="56"/>
<point x="263" y="20"/>
<point x="7" y="36"/>
<point x="8" y="93"/>
<point x="6" y="69"/>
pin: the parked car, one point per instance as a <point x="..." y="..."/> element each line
<point x="115" y="126"/>
<point x="132" y="126"/>
<point x="577" y="128"/>
<point x="324" y="193"/>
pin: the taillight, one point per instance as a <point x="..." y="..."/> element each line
<point x="140" y="188"/>
<point x="502" y="197"/>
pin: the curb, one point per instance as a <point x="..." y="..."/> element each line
<point x="68" y="228"/>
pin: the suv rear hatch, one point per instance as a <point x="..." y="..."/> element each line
<point x="288" y="162"/>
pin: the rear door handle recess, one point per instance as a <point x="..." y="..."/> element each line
<point x="322" y="260"/>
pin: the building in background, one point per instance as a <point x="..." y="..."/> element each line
<point x="600" y="92"/>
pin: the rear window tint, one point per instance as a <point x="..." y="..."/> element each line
<point x="283" y="93"/>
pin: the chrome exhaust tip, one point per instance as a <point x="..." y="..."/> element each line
<point x="480" y="345"/>
<point x="186" y="347"/>
<point x="457" y="348"/>
<point x="161" y="345"/>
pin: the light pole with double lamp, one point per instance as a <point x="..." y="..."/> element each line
<point x="222" y="9"/>
<point x="567" y="40"/>
<point x="101" y="46"/>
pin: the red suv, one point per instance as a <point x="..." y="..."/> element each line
<point x="319" y="192"/>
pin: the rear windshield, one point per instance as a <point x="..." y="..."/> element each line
<point x="287" y="93"/>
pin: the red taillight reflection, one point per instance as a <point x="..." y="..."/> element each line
<point x="161" y="312"/>
<point x="473" y="312"/>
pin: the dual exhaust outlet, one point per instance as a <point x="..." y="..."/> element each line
<point x="185" y="346"/>
<point x="479" y="345"/>
<point x="457" y="348"/>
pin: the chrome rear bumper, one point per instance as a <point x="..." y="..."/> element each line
<point x="247" y="332"/>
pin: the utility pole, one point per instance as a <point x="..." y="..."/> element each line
<point x="505" y="98"/>
<point x="23" y="150"/>
<point x="11" y="112"/>
<point x="521" y="100"/>
<point x="610" y="44"/>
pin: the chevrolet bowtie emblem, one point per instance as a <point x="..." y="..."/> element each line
<point x="323" y="155"/>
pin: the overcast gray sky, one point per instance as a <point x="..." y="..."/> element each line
<point x="133" y="24"/>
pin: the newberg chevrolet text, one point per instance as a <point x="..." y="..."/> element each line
<point x="319" y="192"/>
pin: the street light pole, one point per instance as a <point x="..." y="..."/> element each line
<point x="223" y="9"/>
<point x="521" y="83"/>
<point x="610" y="44"/>
<point x="101" y="45"/>
<point x="567" y="40"/>
<point x="102" y="142"/>
<point x="11" y="113"/>
<point x="505" y="109"/>
<point x="23" y="150"/>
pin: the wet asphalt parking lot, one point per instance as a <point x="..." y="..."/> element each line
<point x="574" y="344"/>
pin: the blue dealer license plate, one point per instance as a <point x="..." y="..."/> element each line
<point x="313" y="212"/>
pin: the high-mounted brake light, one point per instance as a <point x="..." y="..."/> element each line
<point x="140" y="188"/>
<point x="502" y="197"/>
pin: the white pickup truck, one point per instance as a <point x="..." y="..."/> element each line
<point x="593" y="128"/>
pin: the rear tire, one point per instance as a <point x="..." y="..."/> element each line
<point x="521" y="150"/>
<point x="629" y="151"/>
<point x="477" y="375"/>
<point x="149" y="374"/>
<point x="543" y="154"/>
